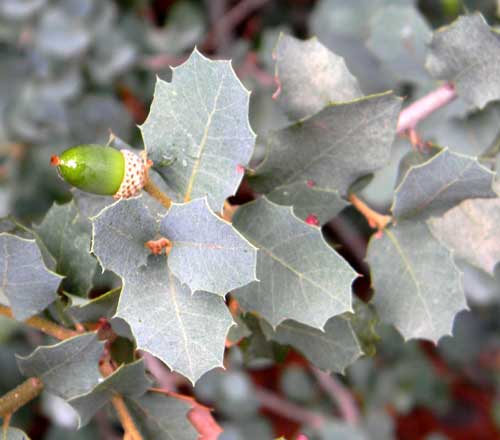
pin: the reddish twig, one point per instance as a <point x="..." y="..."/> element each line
<point x="420" y="109"/>
<point x="19" y="396"/>
<point x="287" y="409"/>
<point x="339" y="394"/>
<point x="374" y="219"/>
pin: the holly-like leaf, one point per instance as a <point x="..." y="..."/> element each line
<point x="120" y="232"/>
<point x="67" y="235"/>
<point x="28" y="286"/>
<point x="85" y="310"/>
<point x="148" y="413"/>
<point x="478" y="240"/>
<point x="301" y="276"/>
<point x="467" y="54"/>
<point x="333" y="349"/>
<point x="185" y="331"/>
<point x="333" y="148"/>
<point x="417" y="285"/>
<point x="207" y="252"/>
<point x="311" y="77"/>
<point x="128" y="380"/>
<point x="308" y="199"/>
<point x="70" y="369"/>
<point x="197" y="132"/>
<point x="441" y="183"/>
<point x="399" y="36"/>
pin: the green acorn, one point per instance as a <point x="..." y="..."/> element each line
<point x="102" y="170"/>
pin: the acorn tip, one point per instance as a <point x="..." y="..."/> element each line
<point x="55" y="160"/>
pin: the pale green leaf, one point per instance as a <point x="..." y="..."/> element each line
<point x="14" y="434"/>
<point x="301" y="276"/>
<point x="186" y="331"/>
<point x="120" y="232"/>
<point x="28" y="286"/>
<point x="417" y="286"/>
<point x="311" y="77"/>
<point x="67" y="235"/>
<point x="333" y="148"/>
<point x="161" y="417"/>
<point x="197" y="132"/>
<point x="85" y="310"/>
<point x="440" y="183"/>
<point x="478" y="241"/>
<point x="333" y="349"/>
<point x="467" y="53"/>
<point x="207" y="252"/>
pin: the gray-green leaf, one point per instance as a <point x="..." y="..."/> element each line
<point x="67" y="235"/>
<point x="197" y="132"/>
<point x="418" y="288"/>
<point x="161" y="417"/>
<point x="185" y="331"/>
<point x="333" y="349"/>
<point x="311" y="77"/>
<point x="128" y="380"/>
<point x="441" y="183"/>
<point x="478" y="223"/>
<point x="308" y="199"/>
<point x="467" y="53"/>
<point x="28" y="286"/>
<point x="120" y="232"/>
<point x="301" y="276"/>
<point x="207" y="252"/>
<point x="70" y="369"/>
<point x="333" y="148"/>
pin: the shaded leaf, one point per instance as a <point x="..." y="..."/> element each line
<point x="399" y="36"/>
<point x="197" y="132"/>
<point x="128" y="380"/>
<point x="308" y="199"/>
<point x="333" y="349"/>
<point x="441" y="183"/>
<point x="301" y="276"/>
<point x="67" y="235"/>
<point x="467" y="53"/>
<point x="333" y="148"/>
<point x="28" y="286"/>
<point x="84" y="310"/>
<point x="161" y="417"/>
<point x="70" y="369"/>
<point x="478" y="240"/>
<point x="311" y="77"/>
<point x="207" y="252"/>
<point x="185" y="331"/>
<point x="417" y="286"/>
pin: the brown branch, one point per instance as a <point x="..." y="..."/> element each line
<point x="6" y="423"/>
<point x="423" y="107"/>
<point x="339" y="394"/>
<point x="157" y="193"/>
<point x="374" y="219"/>
<point x="19" y="396"/>
<point x="131" y="431"/>
<point x="44" y="325"/>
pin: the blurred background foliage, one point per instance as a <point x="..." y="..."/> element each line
<point x="74" y="70"/>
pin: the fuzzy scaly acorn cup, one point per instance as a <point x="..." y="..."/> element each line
<point x="103" y="170"/>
